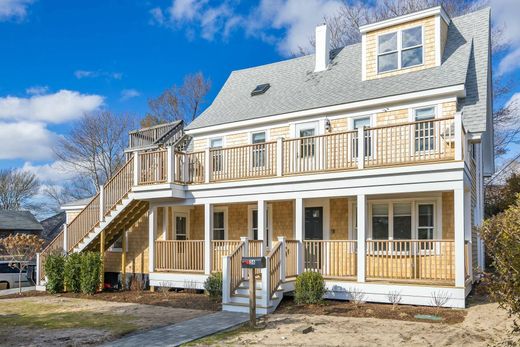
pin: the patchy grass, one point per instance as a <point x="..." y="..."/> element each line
<point x="216" y="339"/>
<point x="53" y="316"/>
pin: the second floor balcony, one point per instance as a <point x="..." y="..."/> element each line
<point x="413" y="143"/>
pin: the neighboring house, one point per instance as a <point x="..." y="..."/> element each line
<point x="364" y="164"/>
<point x="18" y="222"/>
<point x="52" y="226"/>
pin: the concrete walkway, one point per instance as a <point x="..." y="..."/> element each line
<point x="15" y="290"/>
<point x="183" y="332"/>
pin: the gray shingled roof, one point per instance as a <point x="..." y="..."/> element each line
<point x="295" y="87"/>
<point x="80" y="202"/>
<point x="18" y="220"/>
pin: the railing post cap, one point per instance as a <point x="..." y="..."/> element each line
<point x="243" y="238"/>
<point x="281" y="238"/>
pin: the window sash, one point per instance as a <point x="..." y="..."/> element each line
<point x="399" y="49"/>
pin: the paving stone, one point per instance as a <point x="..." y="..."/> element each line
<point x="183" y="332"/>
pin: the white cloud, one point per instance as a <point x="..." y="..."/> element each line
<point x="14" y="9"/>
<point x="26" y="140"/>
<point x="129" y="94"/>
<point x="505" y="16"/>
<point x="59" y="107"/>
<point x="52" y="173"/>
<point x="80" y="74"/>
<point x="37" y="90"/>
<point x="286" y="23"/>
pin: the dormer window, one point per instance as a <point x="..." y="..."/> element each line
<point x="400" y="49"/>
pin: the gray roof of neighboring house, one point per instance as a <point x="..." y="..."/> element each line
<point x="19" y="220"/>
<point x="295" y="86"/>
<point x="80" y="202"/>
<point x="52" y="226"/>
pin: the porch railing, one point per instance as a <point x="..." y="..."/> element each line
<point x="291" y="258"/>
<point x="235" y="267"/>
<point x="426" y="141"/>
<point x="220" y="249"/>
<point x="255" y="248"/>
<point x="187" y="255"/>
<point x="274" y="263"/>
<point x="411" y="260"/>
<point x="56" y="245"/>
<point x="333" y="259"/>
<point x="118" y="186"/>
<point x="84" y="222"/>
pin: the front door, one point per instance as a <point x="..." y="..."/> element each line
<point x="313" y="231"/>
<point x="181" y="227"/>
<point x="314" y="223"/>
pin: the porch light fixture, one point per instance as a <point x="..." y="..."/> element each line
<point x="327" y="124"/>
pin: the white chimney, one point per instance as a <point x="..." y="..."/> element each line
<point x="322" y="48"/>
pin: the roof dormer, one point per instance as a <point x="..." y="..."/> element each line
<point x="403" y="44"/>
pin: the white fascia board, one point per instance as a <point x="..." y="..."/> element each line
<point x="455" y="90"/>
<point x="406" y="18"/>
<point x="73" y="207"/>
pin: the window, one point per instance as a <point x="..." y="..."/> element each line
<point x="307" y="143"/>
<point x="219" y="229"/>
<point x="425" y="226"/>
<point x="254" y="223"/>
<point x="424" y="131"/>
<point x="258" y="151"/>
<point x="217" y="161"/>
<point x="380" y="222"/>
<point x="358" y="123"/>
<point x="400" y="49"/>
<point x="403" y="221"/>
<point x="117" y="246"/>
<point x="181" y="227"/>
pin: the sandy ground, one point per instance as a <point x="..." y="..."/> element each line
<point x="143" y="317"/>
<point x="485" y="324"/>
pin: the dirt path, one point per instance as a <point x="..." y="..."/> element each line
<point x="57" y="321"/>
<point x="485" y="324"/>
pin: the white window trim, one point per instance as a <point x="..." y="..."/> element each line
<point x="251" y="133"/>
<point x="225" y="210"/>
<point x="174" y="226"/>
<point x="319" y="125"/>
<point x="399" y="50"/>
<point x="437" y="207"/>
<point x="222" y="138"/>
<point x="119" y="249"/>
<point x="250" y="209"/>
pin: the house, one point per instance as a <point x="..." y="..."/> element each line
<point x="363" y="163"/>
<point x="52" y="226"/>
<point x="16" y="222"/>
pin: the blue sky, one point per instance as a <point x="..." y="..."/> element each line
<point x="63" y="58"/>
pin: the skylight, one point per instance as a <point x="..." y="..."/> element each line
<point x="260" y="89"/>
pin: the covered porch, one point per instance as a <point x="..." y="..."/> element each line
<point x="401" y="238"/>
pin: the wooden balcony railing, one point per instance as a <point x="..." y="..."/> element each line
<point x="411" y="260"/>
<point x="149" y="136"/>
<point x="56" y="245"/>
<point x="220" y="249"/>
<point x="255" y="248"/>
<point x="333" y="259"/>
<point x="423" y="141"/>
<point x="428" y="141"/>
<point x="153" y="167"/>
<point x="242" y="162"/>
<point x="181" y="256"/>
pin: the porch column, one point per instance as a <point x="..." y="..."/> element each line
<point x="102" y="254"/>
<point x="123" y="260"/>
<point x="65" y="239"/>
<point x="468" y="230"/>
<point x="299" y="225"/>
<point x="208" y="222"/>
<point x="361" y="237"/>
<point x="459" y="207"/>
<point x="262" y="235"/>
<point x="152" y="228"/>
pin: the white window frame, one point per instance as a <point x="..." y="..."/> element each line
<point x="399" y="50"/>
<point x="223" y="209"/>
<point x="437" y="208"/>
<point x="174" y="226"/>
<point x="250" y="234"/>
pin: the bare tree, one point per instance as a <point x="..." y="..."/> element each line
<point x="177" y="103"/>
<point x="95" y="148"/>
<point x="17" y="188"/>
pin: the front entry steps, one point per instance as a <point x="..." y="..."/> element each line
<point x="239" y="300"/>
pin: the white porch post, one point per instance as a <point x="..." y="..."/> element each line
<point x="458" y="204"/>
<point x="65" y="238"/>
<point x="245" y="253"/>
<point x="468" y="230"/>
<point x="152" y="226"/>
<point x="361" y="236"/>
<point x="279" y="156"/>
<point x="281" y="239"/>
<point x="207" y="165"/>
<point x="38" y="269"/>
<point x="459" y="137"/>
<point x="101" y="202"/>
<point x="299" y="224"/>
<point x="262" y="235"/>
<point x="208" y="223"/>
<point x="361" y="148"/>
<point x="136" y="169"/>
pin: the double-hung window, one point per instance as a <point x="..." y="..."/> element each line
<point x="258" y="149"/>
<point x="358" y="123"/>
<point x="400" y="49"/>
<point x="424" y="130"/>
<point x="219" y="225"/>
<point x="217" y="160"/>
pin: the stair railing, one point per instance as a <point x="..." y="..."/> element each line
<point x="274" y="273"/>
<point x="102" y="204"/>
<point x="232" y="274"/>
